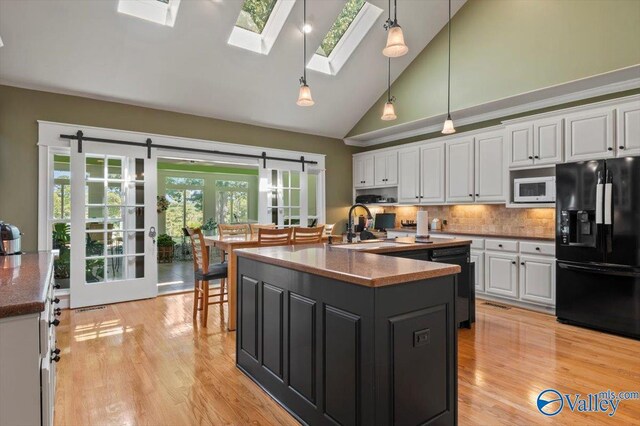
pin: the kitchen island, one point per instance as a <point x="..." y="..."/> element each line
<point x="351" y="335"/>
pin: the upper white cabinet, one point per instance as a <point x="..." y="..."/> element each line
<point x="490" y="168"/>
<point x="628" y="133"/>
<point x="589" y="134"/>
<point x="460" y="173"/>
<point x="363" y="175"/>
<point x="432" y="188"/>
<point x="386" y="168"/>
<point x="536" y="142"/>
<point x="409" y="175"/>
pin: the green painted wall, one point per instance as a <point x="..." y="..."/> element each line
<point x="501" y="48"/>
<point x="20" y="108"/>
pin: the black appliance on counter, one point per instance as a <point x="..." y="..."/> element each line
<point x="367" y="199"/>
<point x="466" y="289"/>
<point x="10" y="239"/>
<point x="598" y="245"/>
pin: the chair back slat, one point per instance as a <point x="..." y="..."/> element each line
<point x="274" y="237"/>
<point x="233" y="230"/>
<point x="199" y="248"/>
<point x="254" y="227"/>
<point x="328" y="228"/>
<point x="308" y="235"/>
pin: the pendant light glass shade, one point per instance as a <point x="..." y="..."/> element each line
<point x="304" y="97"/>
<point x="448" y="128"/>
<point x="389" y="112"/>
<point x="395" y="42"/>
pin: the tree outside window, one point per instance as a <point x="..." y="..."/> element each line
<point x="232" y="203"/>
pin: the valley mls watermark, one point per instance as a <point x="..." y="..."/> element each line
<point x="551" y="402"/>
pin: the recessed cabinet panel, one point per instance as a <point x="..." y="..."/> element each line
<point x="272" y="328"/>
<point x="490" y="168"/>
<point x="409" y="175"/>
<point x="302" y="346"/>
<point x="547" y="141"/>
<point x="368" y="171"/>
<point x="501" y="274"/>
<point x="589" y="135"/>
<point x="358" y="172"/>
<point x="432" y="171"/>
<point x="477" y="257"/>
<point x="460" y="172"/>
<point x="537" y="278"/>
<point x="629" y="130"/>
<point x="380" y="169"/>
<point x="392" y="168"/>
<point x="249" y="318"/>
<point x="521" y="144"/>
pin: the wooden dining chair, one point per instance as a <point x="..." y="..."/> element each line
<point x="203" y="273"/>
<point x="274" y="237"/>
<point x="308" y="235"/>
<point x="233" y="230"/>
<point x="253" y="227"/>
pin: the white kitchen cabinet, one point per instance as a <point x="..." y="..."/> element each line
<point x="386" y="168"/>
<point x="477" y="257"/>
<point x="501" y="274"/>
<point x="537" y="279"/>
<point x="490" y="167"/>
<point x="520" y="143"/>
<point x="628" y="133"/>
<point x="589" y="134"/>
<point x="409" y="175"/>
<point x="460" y="170"/>
<point x="432" y="188"/>
<point x="547" y="141"/>
<point x="363" y="175"/>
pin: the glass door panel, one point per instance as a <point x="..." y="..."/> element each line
<point x="114" y="259"/>
<point x="285" y="201"/>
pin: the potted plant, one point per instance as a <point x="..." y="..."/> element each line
<point x="166" y="247"/>
<point x="162" y="204"/>
<point x="62" y="264"/>
<point x="209" y="227"/>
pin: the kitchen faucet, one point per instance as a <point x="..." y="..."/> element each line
<point x="350" y="232"/>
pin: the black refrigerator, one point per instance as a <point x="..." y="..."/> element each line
<point x="598" y="245"/>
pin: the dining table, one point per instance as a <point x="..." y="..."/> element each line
<point x="230" y="244"/>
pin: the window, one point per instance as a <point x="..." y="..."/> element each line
<point x="60" y="218"/>
<point x="259" y="24"/>
<point x="232" y="204"/>
<point x="186" y="204"/>
<point x="255" y="14"/>
<point x="348" y="30"/>
<point x="162" y="12"/>
<point x="339" y="27"/>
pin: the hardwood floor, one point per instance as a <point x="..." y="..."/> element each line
<point x="147" y="362"/>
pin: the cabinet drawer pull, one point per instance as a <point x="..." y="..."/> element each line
<point x="56" y="300"/>
<point x="477" y="195"/>
<point x="57" y="286"/>
<point x="470" y="195"/>
<point x="536" y="157"/>
<point x="610" y="149"/>
<point x="522" y="263"/>
<point x="55" y="358"/>
<point x="530" y="158"/>
<point x="513" y="262"/>
<point x="538" y="248"/>
<point x="621" y="147"/>
<point x="55" y="351"/>
<point x="55" y="322"/>
<point x="57" y="312"/>
<point x="500" y="245"/>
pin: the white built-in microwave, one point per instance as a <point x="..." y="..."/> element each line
<point x="535" y="190"/>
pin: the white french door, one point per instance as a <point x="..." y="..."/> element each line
<point x="287" y="198"/>
<point x="113" y="224"/>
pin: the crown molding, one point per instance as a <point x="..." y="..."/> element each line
<point x="586" y="88"/>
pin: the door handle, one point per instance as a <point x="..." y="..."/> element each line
<point x="599" y="195"/>
<point x="608" y="188"/>
<point x="153" y="233"/>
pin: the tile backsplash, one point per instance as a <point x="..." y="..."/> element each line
<point x="484" y="218"/>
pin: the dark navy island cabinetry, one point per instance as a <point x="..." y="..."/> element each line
<point x="351" y="338"/>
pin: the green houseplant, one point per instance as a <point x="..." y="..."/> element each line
<point x="166" y="247"/>
<point x="209" y="227"/>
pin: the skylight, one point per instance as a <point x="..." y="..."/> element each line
<point x="339" y="27"/>
<point x="162" y="12"/>
<point x="349" y="29"/>
<point x="255" y="14"/>
<point x="259" y="24"/>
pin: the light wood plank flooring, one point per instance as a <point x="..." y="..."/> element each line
<point x="147" y="363"/>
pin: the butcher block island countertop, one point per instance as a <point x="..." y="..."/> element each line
<point x="362" y="265"/>
<point x="24" y="281"/>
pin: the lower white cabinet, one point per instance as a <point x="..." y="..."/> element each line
<point x="477" y="257"/>
<point x="537" y="279"/>
<point x="501" y="274"/>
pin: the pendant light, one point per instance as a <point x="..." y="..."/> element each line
<point x="395" y="39"/>
<point x="304" y="96"/>
<point x="448" y="128"/>
<point x="389" y="113"/>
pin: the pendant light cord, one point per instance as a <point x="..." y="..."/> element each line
<point x="395" y="11"/>
<point x="304" y="43"/>
<point x="449" y="68"/>
<point x="389" y="82"/>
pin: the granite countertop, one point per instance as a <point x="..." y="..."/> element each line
<point x="354" y="266"/>
<point x="480" y="234"/>
<point x="23" y="287"/>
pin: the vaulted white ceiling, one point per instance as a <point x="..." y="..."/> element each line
<point x="87" y="48"/>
